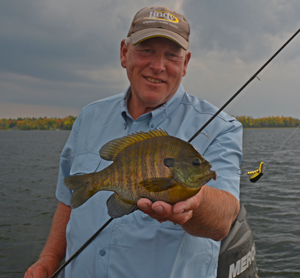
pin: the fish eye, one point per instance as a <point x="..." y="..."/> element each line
<point x="196" y="162"/>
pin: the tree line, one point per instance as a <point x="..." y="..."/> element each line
<point x="266" y="122"/>
<point x="38" y="123"/>
<point x="67" y="123"/>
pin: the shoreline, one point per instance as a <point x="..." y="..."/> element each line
<point x="18" y="129"/>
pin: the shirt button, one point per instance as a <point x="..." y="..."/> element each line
<point x="152" y="126"/>
<point x="102" y="252"/>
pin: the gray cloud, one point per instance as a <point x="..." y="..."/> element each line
<point x="64" y="53"/>
<point x="248" y="28"/>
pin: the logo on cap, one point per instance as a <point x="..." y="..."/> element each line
<point x="162" y="15"/>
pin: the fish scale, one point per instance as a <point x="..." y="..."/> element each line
<point x="150" y="164"/>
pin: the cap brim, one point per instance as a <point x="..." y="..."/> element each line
<point x="145" y="34"/>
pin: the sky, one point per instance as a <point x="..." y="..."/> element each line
<point x="57" y="56"/>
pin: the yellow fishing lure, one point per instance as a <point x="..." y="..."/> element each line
<point x="256" y="175"/>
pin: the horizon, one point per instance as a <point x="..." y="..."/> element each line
<point x="66" y="116"/>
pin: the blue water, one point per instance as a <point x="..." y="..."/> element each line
<point x="28" y="172"/>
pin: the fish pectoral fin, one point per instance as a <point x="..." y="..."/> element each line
<point x="158" y="184"/>
<point x="118" y="207"/>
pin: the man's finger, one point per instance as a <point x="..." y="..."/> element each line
<point x="180" y="207"/>
<point x="166" y="212"/>
<point x="189" y="204"/>
<point x="145" y="205"/>
<point x="163" y="209"/>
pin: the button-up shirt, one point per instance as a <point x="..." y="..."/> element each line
<point x="136" y="245"/>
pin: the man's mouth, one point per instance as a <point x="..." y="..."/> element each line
<point x="152" y="80"/>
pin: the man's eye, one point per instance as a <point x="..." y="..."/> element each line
<point x="173" y="56"/>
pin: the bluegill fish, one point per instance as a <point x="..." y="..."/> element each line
<point x="151" y="165"/>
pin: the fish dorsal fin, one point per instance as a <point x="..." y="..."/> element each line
<point x="111" y="149"/>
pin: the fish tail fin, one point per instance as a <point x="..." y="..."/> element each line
<point x="81" y="186"/>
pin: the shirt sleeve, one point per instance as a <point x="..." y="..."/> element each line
<point x="63" y="194"/>
<point x="225" y="156"/>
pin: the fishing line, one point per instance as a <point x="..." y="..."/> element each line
<point x="191" y="139"/>
<point x="267" y="69"/>
<point x="282" y="145"/>
<point x="242" y="88"/>
<point x="279" y="56"/>
<point x="257" y="174"/>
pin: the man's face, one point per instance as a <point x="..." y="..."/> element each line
<point x="155" y="68"/>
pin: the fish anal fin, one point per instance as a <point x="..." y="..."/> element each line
<point x="158" y="184"/>
<point x="111" y="149"/>
<point x="118" y="207"/>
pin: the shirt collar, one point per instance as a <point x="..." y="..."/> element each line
<point x="124" y="110"/>
<point x="158" y="115"/>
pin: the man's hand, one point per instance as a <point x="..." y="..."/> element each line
<point x="55" y="248"/>
<point x="43" y="268"/>
<point x="179" y="213"/>
<point x="209" y="213"/>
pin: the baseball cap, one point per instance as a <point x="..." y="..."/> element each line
<point x="159" y="21"/>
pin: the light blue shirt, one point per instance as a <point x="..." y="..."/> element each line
<point x="136" y="245"/>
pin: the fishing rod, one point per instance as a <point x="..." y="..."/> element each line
<point x="257" y="174"/>
<point x="189" y="141"/>
<point x="242" y="88"/>
<point x="82" y="247"/>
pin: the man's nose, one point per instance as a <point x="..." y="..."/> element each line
<point x="157" y="64"/>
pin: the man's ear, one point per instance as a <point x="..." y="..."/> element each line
<point x="123" y="53"/>
<point x="186" y="61"/>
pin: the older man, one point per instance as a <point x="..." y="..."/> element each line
<point x="146" y="243"/>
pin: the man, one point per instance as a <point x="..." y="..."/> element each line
<point x="146" y="243"/>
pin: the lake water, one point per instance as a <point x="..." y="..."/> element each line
<point x="28" y="172"/>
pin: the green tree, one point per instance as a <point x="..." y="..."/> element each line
<point x="4" y="124"/>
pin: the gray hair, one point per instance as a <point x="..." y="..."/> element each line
<point x="127" y="41"/>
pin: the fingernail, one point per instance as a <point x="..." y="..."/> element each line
<point x="144" y="207"/>
<point x="159" y="209"/>
<point x="180" y="212"/>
